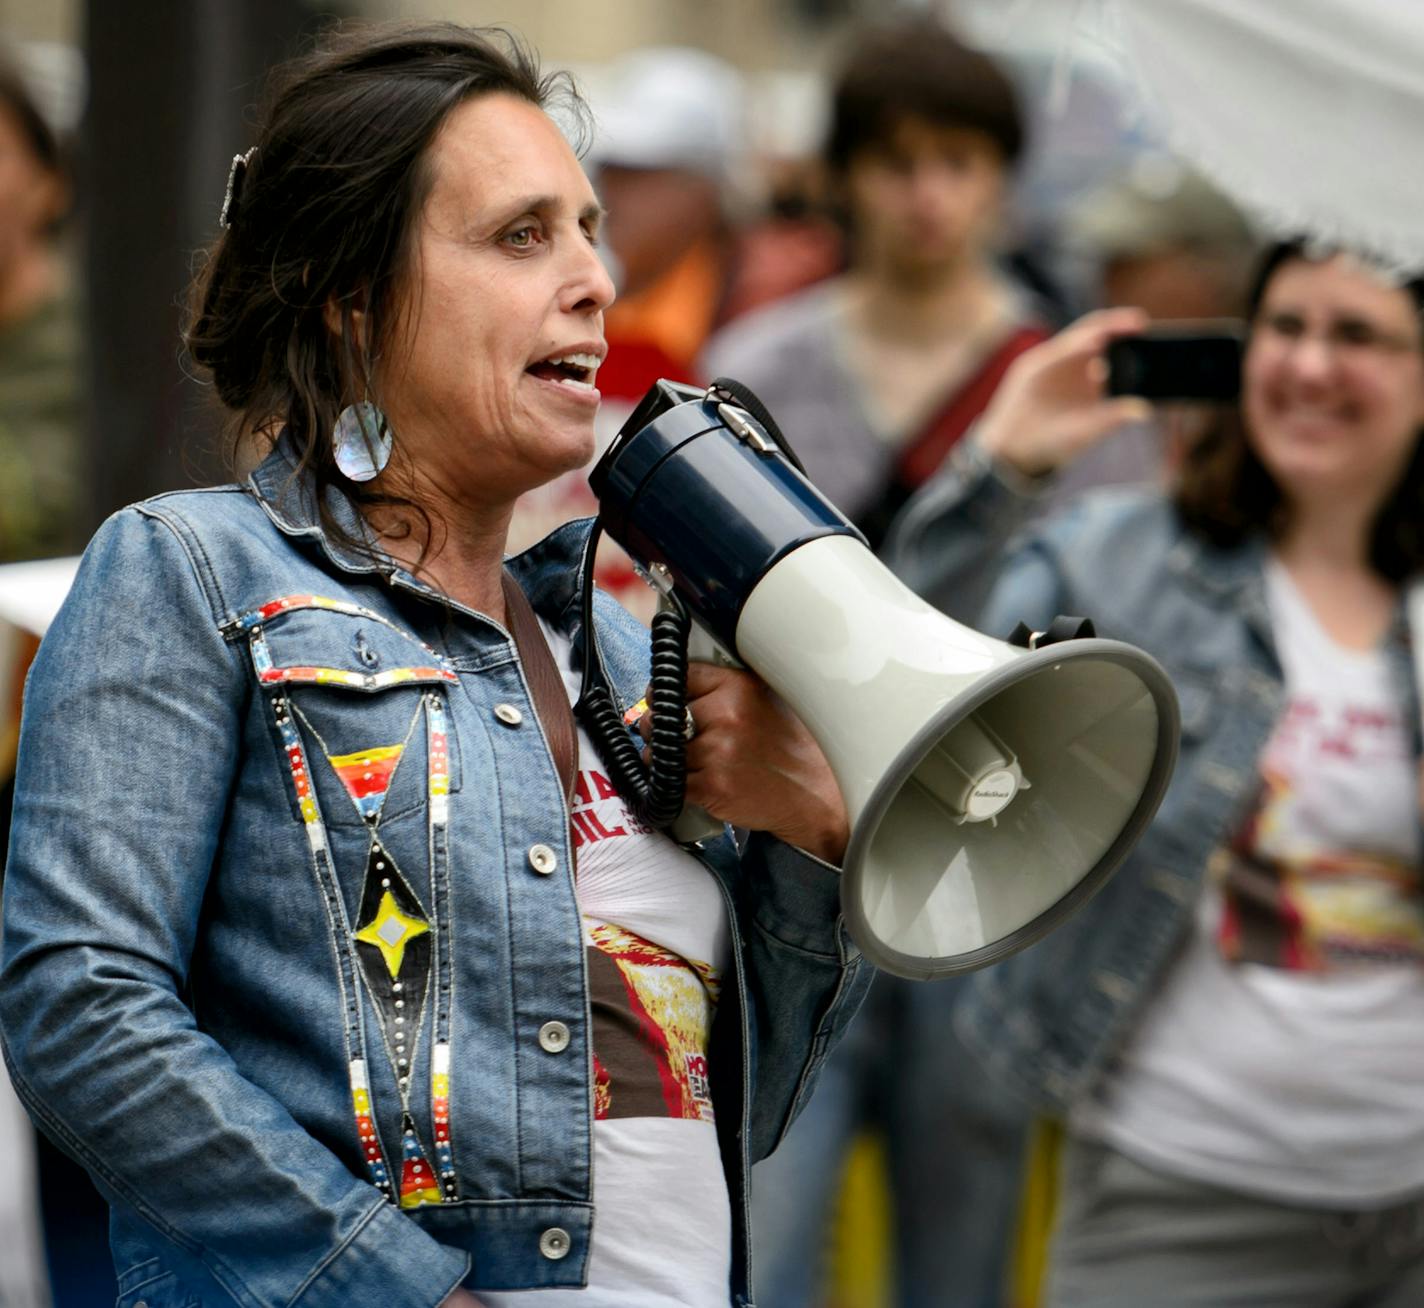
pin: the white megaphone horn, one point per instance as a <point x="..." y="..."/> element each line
<point x="991" y="788"/>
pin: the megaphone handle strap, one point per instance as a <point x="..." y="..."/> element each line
<point x="546" y="685"/>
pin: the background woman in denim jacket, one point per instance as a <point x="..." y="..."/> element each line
<point x="1231" y="1029"/>
<point x="296" y="960"/>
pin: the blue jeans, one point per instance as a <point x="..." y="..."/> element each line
<point x="954" y="1144"/>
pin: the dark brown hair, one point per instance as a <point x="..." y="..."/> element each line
<point x="325" y="217"/>
<point x="917" y="69"/>
<point x="1225" y="494"/>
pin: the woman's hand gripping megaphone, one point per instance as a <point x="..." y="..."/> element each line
<point x="751" y="761"/>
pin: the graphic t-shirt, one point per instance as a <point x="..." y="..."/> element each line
<point x="656" y="935"/>
<point x="1283" y="1055"/>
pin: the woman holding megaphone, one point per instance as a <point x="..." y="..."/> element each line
<point x="298" y="960"/>
<point x="1230" y="1030"/>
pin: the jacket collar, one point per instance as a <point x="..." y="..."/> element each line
<point x="289" y="498"/>
<point x="550" y="572"/>
<point x="1236" y="579"/>
<point x="1232" y="579"/>
<point x="1218" y="571"/>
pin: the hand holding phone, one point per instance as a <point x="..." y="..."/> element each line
<point x="1051" y="404"/>
<point x="1183" y="361"/>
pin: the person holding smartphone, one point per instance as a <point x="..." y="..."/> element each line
<point x="1230" y="1030"/>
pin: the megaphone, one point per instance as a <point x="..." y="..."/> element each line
<point x="991" y="787"/>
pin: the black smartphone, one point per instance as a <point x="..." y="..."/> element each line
<point x="1179" y="361"/>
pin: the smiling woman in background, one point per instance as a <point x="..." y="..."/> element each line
<point x="1231" y="1029"/>
<point x="297" y="959"/>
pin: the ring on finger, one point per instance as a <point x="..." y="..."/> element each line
<point x="689" y="724"/>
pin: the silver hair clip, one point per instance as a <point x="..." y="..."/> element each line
<point x="234" y="187"/>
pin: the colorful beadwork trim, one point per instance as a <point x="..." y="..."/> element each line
<point x="287" y="603"/>
<point x="366" y="1128"/>
<point x="367" y="774"/>
<point x="439" y="763"/>
<point x="252" y="621"/>
<point x="440" y="1112"/>
<point x="356" y="680"/>
<point x="301" y="775"/>
<point x="390" y="931"/>
<point x="418" y="1185"/>
<point x="396" y="946"/>
<point x="438" y="772"/>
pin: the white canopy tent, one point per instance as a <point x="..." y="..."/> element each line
<point x="1308" y="113"/>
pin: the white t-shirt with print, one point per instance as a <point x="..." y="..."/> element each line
<point x="656" y="934"/>
<point x="1284" y="1055"/>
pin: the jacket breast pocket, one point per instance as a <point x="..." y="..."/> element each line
<point x="368" y="701"/>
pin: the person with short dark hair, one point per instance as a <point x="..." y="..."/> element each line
<point x="919" y="71"/>
<point x="1230" y="1029"/>
<point x="330" y="948"/>
<point x="874" y="375"/>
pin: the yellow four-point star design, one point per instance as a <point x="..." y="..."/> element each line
<point x="391" y="931"/>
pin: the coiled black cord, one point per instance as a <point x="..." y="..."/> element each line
<point x="655" y="792"/>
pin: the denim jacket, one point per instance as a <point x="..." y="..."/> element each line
<point x="1047" y="1021"/>
<point x="183" y="1002"/>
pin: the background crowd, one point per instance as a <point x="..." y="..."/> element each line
<point x="870" y="234"/>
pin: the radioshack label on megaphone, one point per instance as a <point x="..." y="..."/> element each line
<point x="990" y="795"/>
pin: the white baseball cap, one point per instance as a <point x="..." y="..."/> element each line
<point x="669" y="107"/>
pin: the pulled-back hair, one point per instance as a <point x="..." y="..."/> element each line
<point x="323" y="225"/>
<point x="916" y="68"/>
<point x="1225" y="494"/>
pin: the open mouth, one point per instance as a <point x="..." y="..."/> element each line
<point x="577" y="370"/>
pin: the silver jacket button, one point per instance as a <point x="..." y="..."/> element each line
<point x="555" y="1243"/>
<point x="554" y="1039"/>
<point x="508" y="714"/>
<point x="542" y="859"/>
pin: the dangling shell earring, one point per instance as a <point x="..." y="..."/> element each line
<point x="361" y="441"/>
